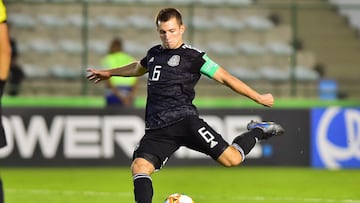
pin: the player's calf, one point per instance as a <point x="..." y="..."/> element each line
<point x="257" y="131"/>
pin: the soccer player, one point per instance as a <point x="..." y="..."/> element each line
<point x="5" y="58"/>
<point x="172" y="120"/>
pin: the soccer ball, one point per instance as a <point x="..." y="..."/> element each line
<point x="178" y="198"/>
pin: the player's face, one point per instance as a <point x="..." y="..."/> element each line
<point x="171" y="33"/>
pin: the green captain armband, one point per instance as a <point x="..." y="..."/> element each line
<point x="210" y="67"/>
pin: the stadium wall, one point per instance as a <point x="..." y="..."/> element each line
<point x="315" y="137"/>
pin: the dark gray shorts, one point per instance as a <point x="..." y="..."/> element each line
<point x="158" y="145"/>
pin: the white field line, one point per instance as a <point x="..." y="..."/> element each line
<point x="128" y="194"/>
<point x="67" y="192"/>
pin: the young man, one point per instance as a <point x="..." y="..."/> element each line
<point x="172" y="120"/>
<point x="5" y="58"/>
<point x="120" y="91"/>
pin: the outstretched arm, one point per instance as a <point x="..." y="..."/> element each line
<point x="225" y="78"/>
<point x="132" y="69"/>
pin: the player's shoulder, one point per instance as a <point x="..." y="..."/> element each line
<point x="184" y="49"/>
<point x="155" y="48"/>
<point x="190" y="48"/>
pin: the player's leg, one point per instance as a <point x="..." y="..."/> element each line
<point x="201" y="137"/>
<point x="1" y="192"/>
<point x="152" y="153"/>
<point x="141" y="170"/>
<point x="204" y="139"/>
<point x="235" y="154"/>
<point x="256" y="131"/>
<point x="231" y="157"/>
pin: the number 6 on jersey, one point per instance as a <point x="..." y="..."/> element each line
<point x="156" y="73"/>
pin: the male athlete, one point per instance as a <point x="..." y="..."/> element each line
<point x="172" y="120"/>
<point x="5" y="58"/>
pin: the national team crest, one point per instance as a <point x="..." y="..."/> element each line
<point x="174" y="60"/>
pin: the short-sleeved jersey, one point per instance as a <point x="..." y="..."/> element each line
<point x="173" y="74"/>
<point x="2" y="12"/>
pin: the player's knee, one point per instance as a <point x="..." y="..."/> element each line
<point x="232" y="162"/>
<point x="141" y="165"/>
<point x="230" y="157"/>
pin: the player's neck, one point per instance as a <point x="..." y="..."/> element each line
<point x="176" y="47"/>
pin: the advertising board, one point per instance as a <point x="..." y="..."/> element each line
<point x="107" y="137"/>
<point x="335" y="139"/>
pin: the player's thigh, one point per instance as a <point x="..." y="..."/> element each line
<point x="203" y="138"/>
<point x="156" y="147"/>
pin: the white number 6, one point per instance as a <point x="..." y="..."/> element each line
<point x="156" y="73"/>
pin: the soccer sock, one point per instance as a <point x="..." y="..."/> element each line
<point x="245" y="142"/>
<point x="143" y="188"/>
<point x="2" y="132"/>
<point x="1" y="192"/>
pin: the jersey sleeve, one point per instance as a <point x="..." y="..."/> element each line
<point x="143" y="62"/>
<point x="2" y="12"/>
<point x="209" y="68"/>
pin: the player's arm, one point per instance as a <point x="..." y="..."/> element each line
<point x="132" y="69"/>
<point x="5" y="47"/>
<point x="224" y="77"/>
<point x="214" y="71"/>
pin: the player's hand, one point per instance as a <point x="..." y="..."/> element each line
<point x="266" y="100"/>
<point x="97" y="75"/>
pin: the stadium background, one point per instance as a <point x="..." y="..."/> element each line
<point x="294" y="49"/>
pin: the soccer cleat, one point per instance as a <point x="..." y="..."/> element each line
<point x="269" y="128"/>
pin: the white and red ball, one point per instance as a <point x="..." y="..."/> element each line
<point x="178" y="198"/>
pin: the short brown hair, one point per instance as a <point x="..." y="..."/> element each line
<point x="116" y="45"/>
<point x="168" y="13"/>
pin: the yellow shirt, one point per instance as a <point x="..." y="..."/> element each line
<point x="115" y="60"/>
<point x="2" y="12"/>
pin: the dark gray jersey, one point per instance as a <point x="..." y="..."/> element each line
<point x="173" y="73"/>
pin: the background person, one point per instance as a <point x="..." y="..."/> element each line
<point x="119" y="90"/>
<point x="17" y="74"/>
<point x="5" y="58"/>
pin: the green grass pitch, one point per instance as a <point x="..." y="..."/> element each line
<point x="204" y="184"/>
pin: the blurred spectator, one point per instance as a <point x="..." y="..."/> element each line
<point x="320" y="69"/>
<point x="16" y="72"/>
<point x="5" y="58"/>
<point x="298" y="44"/>
<point x="328" y="88"/>
<point x="275" y="18"/>
<point x="119" y="90"/>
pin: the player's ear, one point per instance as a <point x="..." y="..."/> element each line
<point x="182" y="28"/>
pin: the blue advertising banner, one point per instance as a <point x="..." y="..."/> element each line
<point x="335" y="140"/>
